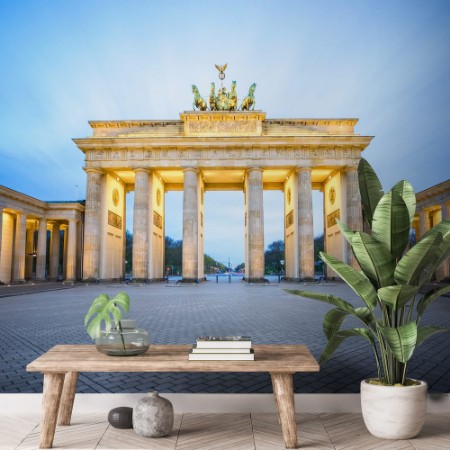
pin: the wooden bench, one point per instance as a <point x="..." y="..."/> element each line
<point x="61" y="365"/>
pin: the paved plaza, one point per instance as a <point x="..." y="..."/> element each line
<point x="35" y="318"/>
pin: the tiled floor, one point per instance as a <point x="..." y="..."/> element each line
<point x="222" y="431"/>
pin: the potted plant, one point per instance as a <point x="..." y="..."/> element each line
<point x="116" y="338"/>
<point x="389" y="284"/>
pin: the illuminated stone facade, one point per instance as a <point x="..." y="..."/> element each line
<point x="240" y="150"/>
<point x="433" y="206"/>
<point x="39" y="240"/>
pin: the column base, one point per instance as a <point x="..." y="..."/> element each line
<point x="256" y="280"/>
<point x="23" y="281"/>
<point x="189" y="281"/>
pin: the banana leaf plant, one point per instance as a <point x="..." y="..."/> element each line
<point x="390" y="281"/>
<point x="105" y="310"/>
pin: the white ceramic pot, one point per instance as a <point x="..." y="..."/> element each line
<point x="394" y="412"/>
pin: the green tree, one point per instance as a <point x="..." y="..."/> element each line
<point x="213" y="266"/>
<point x="273" y="255"/>
<point x="318" y="247"/>
<point x="173" y="255"/>
<point x="128" y="251"/>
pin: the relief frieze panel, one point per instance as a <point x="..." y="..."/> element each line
<point x="219" y="127"/>
<point x="216" y="153"/>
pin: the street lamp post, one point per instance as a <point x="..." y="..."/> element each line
<point x="280" y="265"/>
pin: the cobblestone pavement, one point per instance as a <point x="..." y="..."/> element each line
<point x="31" y="324"/>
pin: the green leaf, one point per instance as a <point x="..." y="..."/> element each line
<point x="370" y="189"/>
<point x="418" y="264"/>
<point x="424" y="333"/>
<point x="101" y="310"/>
<point x="430" y="297"/>
<point x="122" y="299"/>
<point x="374" y="258"/>
<point x="359" y="283"/>
<point x="335" y="317"/>
<point x="444" y="228"/>
<point x="406" y="192"/>
<point x="97" y="305"/>
<point x="326" y="298"/>
<point x="338" y="338"/>
<point x="348" y="234"/>
<point x="401" y="340"/>
<point x="332" y="321"/>
<point x="391" y="223"/>
<point x="397" y="296"/>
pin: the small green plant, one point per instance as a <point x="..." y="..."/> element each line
<point x="390" y="279"/>
<point x="106" y="310"/>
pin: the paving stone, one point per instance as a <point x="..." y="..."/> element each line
<point x="267" y="314"/>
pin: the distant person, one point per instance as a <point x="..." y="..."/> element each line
<point x="412" y="237"/>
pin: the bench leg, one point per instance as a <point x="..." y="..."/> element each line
<point x="283" y="389"/>
<point x="68" y="397"/>
<point x="276" y="400"/>
<point x="53" y="384"/>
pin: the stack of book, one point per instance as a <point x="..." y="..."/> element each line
<point x="222" y="348"/>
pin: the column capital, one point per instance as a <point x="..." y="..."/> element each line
<point x="255" y="169"/>
<point x="141" y="169"/>
<point x="93" y="170"/>
<point x="191" y="169"/>
<point x="303" y="169"/>
<point x="350" y="169"/>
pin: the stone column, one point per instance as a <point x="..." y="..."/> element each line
<point x="54" y="252"/>
<point x="41" y="257"/>
<point x="29" y="255"/>
<point x="141" y="217"/>
<point x="91" y="257"/>
<point x="354" y="218"/>
<point x="255" y="230"/>
<point x="190" y="226"/>
<point x="71" y="261"/>
<point x="1" y="228"/>
<point x="305" y="225"/>
<point x="19" y="248"/>
<point x="423" y="223"/>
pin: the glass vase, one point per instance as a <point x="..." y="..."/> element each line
<point x="127" y="342"/>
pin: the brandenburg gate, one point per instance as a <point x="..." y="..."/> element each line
<point x="216" y="150"/>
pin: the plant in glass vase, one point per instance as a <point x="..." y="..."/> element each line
<point x="114" y="339"/>
<point x="389" y="284"/>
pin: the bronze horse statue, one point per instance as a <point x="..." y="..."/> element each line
<point x="232" y="97"/>
<point x="213" y="98"/>
<point x="249" y="101"/>
<point x="199" y="102"/>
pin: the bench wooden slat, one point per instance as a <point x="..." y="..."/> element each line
<point x="172" y="358"/>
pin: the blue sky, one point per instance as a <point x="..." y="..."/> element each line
<point x="66" y="62"/>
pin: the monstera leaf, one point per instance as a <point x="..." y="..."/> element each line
<point x="102" y="310"/>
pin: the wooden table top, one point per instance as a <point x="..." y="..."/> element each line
<point x="172" y="358"/>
